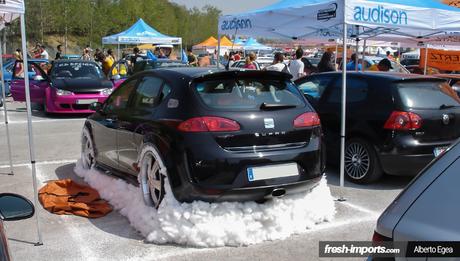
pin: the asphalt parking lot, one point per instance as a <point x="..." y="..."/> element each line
<point x="57" y="141"/>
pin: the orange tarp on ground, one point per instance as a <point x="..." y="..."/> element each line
<point x="66" y="197"/>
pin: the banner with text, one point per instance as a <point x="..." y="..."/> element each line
<point x="448" y="60"/>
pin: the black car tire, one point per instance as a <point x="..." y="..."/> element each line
<point x="88" y="156"/>
<point x="361" y="163"/>
<point x="152" y="176"/>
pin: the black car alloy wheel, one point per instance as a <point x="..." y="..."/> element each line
<point x="361" y="163"/>
<point x="152" y="179"/>
<point x="87" y="150"/>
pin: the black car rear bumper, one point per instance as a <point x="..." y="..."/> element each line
<point x="404" y="165"/>
<point x="197" y="192"/>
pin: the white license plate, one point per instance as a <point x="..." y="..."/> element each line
<point x="273" y="171"/>
<point x="88" y="101"/>
<point x="439" y="150"/>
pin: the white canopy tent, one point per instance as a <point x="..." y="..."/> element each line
<point x="328" y="20"/>
<point x="9" y="11"/>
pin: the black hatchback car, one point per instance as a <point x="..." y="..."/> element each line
<point x="216" y="135"/>
<point x="396" y="123"/>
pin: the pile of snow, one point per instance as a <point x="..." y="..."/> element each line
<point x="213" y="224"/>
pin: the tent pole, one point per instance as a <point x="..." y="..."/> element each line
<point x="118" y="51"/>
<point x="181" y="54"/>
<point x="344" y="107"/>
<point x="336" y="52"/>
<point x="357" y="54"/>
<point x="364" y="54"/>
<point x="218" y="50"/>
<point x="426" y="59"/>
<point x="5" y="110"/>
<point x="29" y="126"/>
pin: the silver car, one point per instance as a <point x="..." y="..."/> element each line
<point x="428" y="208"/>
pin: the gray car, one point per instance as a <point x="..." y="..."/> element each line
<point x="428" y="208"/>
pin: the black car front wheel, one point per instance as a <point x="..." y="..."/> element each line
<point x="361" y="162"/>
<point x="152" y="177"/>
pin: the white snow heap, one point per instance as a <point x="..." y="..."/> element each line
<point x="204" y="224"/>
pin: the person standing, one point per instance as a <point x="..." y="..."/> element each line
<point x="136" y="56"/>
<point x="296" y="67"/>
<point x="326" y="64"/>
<point x="389" y="56"/>
<point x="86" y="55"/>
<point x="351" y="66"/>
<point x="278" y="64"/>
<point x="250" y="62"/>
<point x="58" y="53"/>
<point x="108" y="62"/>
<point x="192" y="60"/>
<point x="43" y="53"/>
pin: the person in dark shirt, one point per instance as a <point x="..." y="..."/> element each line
<point x="136" y="57"/>
<point x="192" y="60"/>
<point x="58" y="53"/>
<point x="326" y="64"/>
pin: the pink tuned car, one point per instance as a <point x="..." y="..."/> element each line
<point x="70" y="86"/>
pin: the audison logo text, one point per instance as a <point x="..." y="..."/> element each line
<point x="380" y="15"/>
<point x="236" y="24"/>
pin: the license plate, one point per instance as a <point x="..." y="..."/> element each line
<point x="87" y="101"/>
<point x="439" y="150"/>
<point x="273" y="171"/>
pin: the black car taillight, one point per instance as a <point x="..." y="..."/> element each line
<point x="401" y="120"/>
<point x="208" y="124"/>
<point x="376" y="238"/>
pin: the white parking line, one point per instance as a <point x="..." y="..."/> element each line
<point x="40" y="163"/>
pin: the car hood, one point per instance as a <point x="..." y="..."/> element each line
<point x="82" y="85"/>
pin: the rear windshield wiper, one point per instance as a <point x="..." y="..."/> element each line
<point x="276" y="106"/>
<point x="445" y="106"/>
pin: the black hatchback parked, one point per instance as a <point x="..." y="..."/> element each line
<point x="216" y="135"/>
<point x="396" y="123"/>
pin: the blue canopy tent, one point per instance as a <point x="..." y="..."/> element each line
<point x="328" y="20"/>
<point x="252" y="44"/>
<point x="141" y="33"/>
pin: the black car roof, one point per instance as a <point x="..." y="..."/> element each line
<point x="210" y="72"/>
<point x="392" y="76"/>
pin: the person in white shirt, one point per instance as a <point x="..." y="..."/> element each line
<point x="278" y="64"/>
<point x="296" y="67"/>
<point x="43" y="53"/>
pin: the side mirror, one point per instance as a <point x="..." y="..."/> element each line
<point x="95" y="106"/>
<point x="116" y="77"/>
<point x="15" y="207"/>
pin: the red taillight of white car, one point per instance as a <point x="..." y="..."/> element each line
<point x="401" y="120"/>
<point x="208" y="124"/>
<point x="308" y="119"/>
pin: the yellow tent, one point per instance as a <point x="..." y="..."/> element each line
<point x="212" y="42"/>
<point x="146" y="47"/>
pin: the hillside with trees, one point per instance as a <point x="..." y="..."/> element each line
<point x="85" y="22"/>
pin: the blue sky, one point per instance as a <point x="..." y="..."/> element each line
<point x="227" y="6"/>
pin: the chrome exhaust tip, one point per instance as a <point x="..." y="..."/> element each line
<point x="278" y="192"/>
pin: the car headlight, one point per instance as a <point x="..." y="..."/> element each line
<point x="106" y="92"/>
<point x="63" y="92"/>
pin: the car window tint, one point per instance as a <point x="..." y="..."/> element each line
<point x="147" y="92"/>
<point x="427" y="95"/>
<point x="248" y="93"/>
<point x="165" y="91"/>
<point x="357" y="91"/>
<point x="119" y="99"/>
<point x="315" y="87"/>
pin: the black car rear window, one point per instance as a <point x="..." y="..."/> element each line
<point x="427" y="95"/>
<point x="248" y="94"/>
